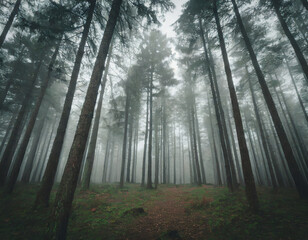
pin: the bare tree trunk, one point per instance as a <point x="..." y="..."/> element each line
<point x="296" y="90"/>
<point x="67" y="187"/>
<point x="301" y="185"/>
<point x="93" y="139"/>
<point x="34" y="147"/>
<point x="298" y="52"/>
<point x="149" y="182"/>
<point x="127" y="107"/>
<point x="156" y="149"/>
<point x="42" y="196"/>
<point x="218" y="116"/>
<point x="25" y="141"/>
<point x="145" y="141"/>
<point x="262" y="133"/>
<point x="130" y="142"/>
<point x="9" y="150"/>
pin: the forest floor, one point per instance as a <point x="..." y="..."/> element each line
<point x="171" y="212"/>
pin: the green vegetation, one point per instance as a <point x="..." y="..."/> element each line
<point x="172" y="212"/>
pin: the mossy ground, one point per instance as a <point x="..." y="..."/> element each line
<point x="172" y="212"/>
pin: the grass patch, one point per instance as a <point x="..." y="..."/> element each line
<point x="101" y="213"/>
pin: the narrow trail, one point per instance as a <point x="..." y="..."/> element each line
<point x="169" y="213"/>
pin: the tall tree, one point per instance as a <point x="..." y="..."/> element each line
<point x="251" y="192"/>
<point x="42" y="197"/>
<point x="66" y="190"/>
<point x="300" y="183"/>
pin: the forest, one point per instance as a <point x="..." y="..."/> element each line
<point x="154" y="119"/>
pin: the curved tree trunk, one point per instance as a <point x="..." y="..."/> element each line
<point x="67" y="187"/>
<point x="301" y="185"/>
<point x="42" y="197"/>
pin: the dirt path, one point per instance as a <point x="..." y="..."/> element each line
<point x="168" y="214"/>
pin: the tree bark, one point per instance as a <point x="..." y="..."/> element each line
<point x="67" y="187"/>
<point x="9" y="150"/>
<point x="262" y="133"/>
<point x="298" y="52"/>
<point x="149" y="181"/>
<point x="218" y="116"/>
<point x="25" y="140"/>
<point x="93" y="139"/>
<point x="145" y="141"/>
<point x="251" y="191"/>
<point x="9" y="22"/>
<point x="127" y="107"/>
<point x="130" y="142"/>
<point x="34" y="148"/>
<point x="296" y="90"/>
<point x="42" y="196"/>
<point x="301" y="185"/>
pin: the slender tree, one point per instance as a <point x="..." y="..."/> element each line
<point x="251" y="191"/>
<point x="42" y="197"/>
<point x="300" y="183"/>
<point x="66" y="190"/>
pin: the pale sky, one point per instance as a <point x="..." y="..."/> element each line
<point x="171" y="17"/>
<point x="167" y="29"/>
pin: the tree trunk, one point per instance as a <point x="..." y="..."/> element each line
<point x="93" y="139"/>
<point x="262" y="133"/>
<point x="106" y="160"/>
<point x="127" y="107"/>
<point x="145" y="141"/>
<point x="34" y="147"/>
<point x="222" y="115"/>
<point x="67" y="187"/>
<point x="130" y="142"/>
<point x="135" y="152"/>
<point x="218" y="116"/>
<point x="298" y="52"/>
<point x="10" y="80"/>
<point x="236" y="158"/>
<point x="156" y="149"/>
<point x="149" y="182"/>
<point x="9" y="22"/>
<point x="9" y="150"/>
<point x="215" y="160"/>
<point x="8" y="131"/>
<point x="296" y="90"/>
<point x="25" y="140"/>
<point x="199" y="145"/>
<point x="301" y="185"/>
<point x="42" y="197"/>
<point x="174" y="155"/>
<point x="251" y="191"/>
